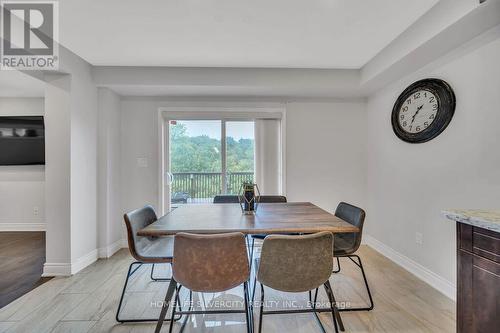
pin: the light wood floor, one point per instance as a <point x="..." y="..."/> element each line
<point x="87" y="302"/>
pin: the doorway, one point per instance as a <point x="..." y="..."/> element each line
<point x="207" y="158"/>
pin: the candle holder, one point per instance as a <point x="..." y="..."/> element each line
<point x="247" y="198"/>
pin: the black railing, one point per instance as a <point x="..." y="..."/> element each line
<point x="202" y="186"/>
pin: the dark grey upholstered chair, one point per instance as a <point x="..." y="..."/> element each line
<point x="272" y="199"/>
<point x="230" y="198"/>
<point x="226" y="198"/>
<point x="208" y="264"/>
<point x="297" y="264"/>
<point x="269" y="199"/>
<point x="146" y="250"/>
<point x="346" y="244"/>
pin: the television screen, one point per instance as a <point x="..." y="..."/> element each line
<point x="22" y="140"/>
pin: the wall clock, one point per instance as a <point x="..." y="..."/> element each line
<point x="423" y="110"/>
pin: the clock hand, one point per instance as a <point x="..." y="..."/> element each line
<point x="418" y="110"/>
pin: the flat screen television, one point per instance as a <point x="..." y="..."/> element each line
<point x="22" y="140"/>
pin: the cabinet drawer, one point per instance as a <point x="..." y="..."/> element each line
<point x="482" y="242"/>
<point x="478" y="309"/>
<point x="486" y="244"/>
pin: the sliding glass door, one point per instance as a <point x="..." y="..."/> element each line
<point x="240" y="154"/>
<point x="209" y="157"/>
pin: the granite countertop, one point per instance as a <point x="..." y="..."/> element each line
<point x="486" y="219"/>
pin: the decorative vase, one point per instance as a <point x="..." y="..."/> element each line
<point x="248" y="200"/>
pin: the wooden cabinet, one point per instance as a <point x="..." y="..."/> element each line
<point x="478" y="287"/>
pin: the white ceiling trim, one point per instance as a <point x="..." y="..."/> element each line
<point x="312" y="83"/>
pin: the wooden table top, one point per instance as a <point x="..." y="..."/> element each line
<point x="270" y="218"/>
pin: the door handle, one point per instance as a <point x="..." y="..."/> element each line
<point x="170" y="178"/>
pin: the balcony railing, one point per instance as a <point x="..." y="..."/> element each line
<point x="203" y="186"/>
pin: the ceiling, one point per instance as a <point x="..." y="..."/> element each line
<point x="18" y="84"/>
<point x="234" y="33"/>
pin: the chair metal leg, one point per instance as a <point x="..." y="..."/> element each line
<point x="157" y="279"/>
<point x="313" y="305"/>
<point x="261" y="309"/>
<point x="333" y="306"/>
<point x="254" y="287"/>
<point x="129" y="273"/>
<point x="251" y="251"/>
<point x="312" y="310"/>
<point x="168" y="297"/>
<point x="174" y="308"/>
<point x="249" y="317"/>
<point x="338" y="265"/>
<point x="360" y="265"/>
<point x="183" y="326"/>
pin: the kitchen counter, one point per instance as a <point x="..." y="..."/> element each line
<point x="478" y="269"/>
<point x="486" y="219"/>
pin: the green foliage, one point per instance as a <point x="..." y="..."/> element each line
<point x="201" y="154"/>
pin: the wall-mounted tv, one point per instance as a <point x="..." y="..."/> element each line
<point x="22" y="140"/>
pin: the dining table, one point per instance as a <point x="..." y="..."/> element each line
<point x="268" y="218"/>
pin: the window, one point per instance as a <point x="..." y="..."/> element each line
<point x="209" y="157"/>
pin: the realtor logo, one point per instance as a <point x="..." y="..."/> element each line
<point x="29" y="35"/>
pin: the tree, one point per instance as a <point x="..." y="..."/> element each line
<point x="202" y="153"/>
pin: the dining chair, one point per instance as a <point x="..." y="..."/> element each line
<point x="145" y="250"/>
<point x="230" y="198"/>
<point x="265" y="199"/>
<point x="208" y="264"/>
<point x="296" y="264"/>
<point x="226" y="198"/>
<point x="347" y="244"/>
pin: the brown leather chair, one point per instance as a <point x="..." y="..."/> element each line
<point x="208" y="264"/>
<point x="297" y="264"/>
<point x="145" y="250"/>
<point x="347" y="244"/>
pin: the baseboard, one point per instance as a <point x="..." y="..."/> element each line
<point x="56" y="269"/>
<point x="68" y="269"/>
<point x="108" y="251"/>
<point x="437" y="282"/>
<point x="22" y="224"/>
<point x="124" y="244"/>
<point x="84" y="261"/>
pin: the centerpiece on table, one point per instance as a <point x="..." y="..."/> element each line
<point x="249" y="201"/>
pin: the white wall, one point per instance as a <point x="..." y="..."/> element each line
<point x="57" y="175"/>
<point x="325" y="153"/>
<point x="83" y="162"/>
<point x="109" y="174"/>
<point x="409" y="185"/>
<point x="71" y="167"/>
<point x="22" y="187"/>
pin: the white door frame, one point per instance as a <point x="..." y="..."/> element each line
<point x="224" y="112"/>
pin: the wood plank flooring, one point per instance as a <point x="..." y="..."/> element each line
<point x="87" y="302"/>
<point x="22" y="255"/>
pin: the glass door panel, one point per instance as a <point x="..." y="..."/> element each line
<point x="195" y="161"/>
<point x="240" y="154"/>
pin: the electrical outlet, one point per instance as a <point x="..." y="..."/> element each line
<point x="36" y="211"/>
<point x="419" y="238"/>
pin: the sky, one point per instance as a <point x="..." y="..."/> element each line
<point x="212" y="128"/>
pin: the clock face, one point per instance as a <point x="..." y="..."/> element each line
<point x="418" y="111"/>
<point x="423" y="110"/>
